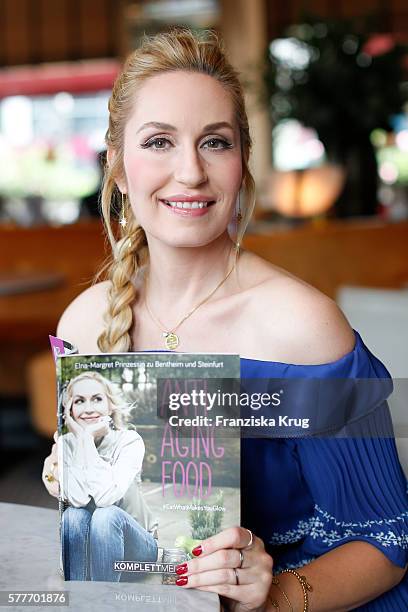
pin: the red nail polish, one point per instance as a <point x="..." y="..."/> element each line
<point x="182" y="581"/>
<point x="181" y="569"/>
<point x="197" y="551"/>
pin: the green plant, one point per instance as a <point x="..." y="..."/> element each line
<point x="337" y="75"/>
<point x="205" y="523"/>
<point x="343" y="81"/>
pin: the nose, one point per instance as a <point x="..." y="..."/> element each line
<point x="88" y="407"/>
<point x="190" y="168"/>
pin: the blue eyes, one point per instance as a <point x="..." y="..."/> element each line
<point x="157" y="144"/>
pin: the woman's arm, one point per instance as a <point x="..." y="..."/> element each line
<point x="73" y="484"/>
<point x="342" y="579"/>
<point x="108" y="483"/>
<point x="50" y="475"/>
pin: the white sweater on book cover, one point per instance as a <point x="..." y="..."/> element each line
<point x="109" y="473"/>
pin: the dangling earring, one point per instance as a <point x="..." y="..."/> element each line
<point x="239" y="214"/>
<point x="239" y="219"/>
<point x="123" y="220"/>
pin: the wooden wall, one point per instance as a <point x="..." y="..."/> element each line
<point x="34" y="31"/>
<point x="75" y="252"/>
<point x="367" y="253"/>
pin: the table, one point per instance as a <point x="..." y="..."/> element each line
<point x="29" y="559"/>
<point x="27" y="283"/>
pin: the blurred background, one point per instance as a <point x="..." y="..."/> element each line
<point x="327" y="93"/>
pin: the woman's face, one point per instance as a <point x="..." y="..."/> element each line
<point x="182" y="143"/>
<point x="89" y="402"/>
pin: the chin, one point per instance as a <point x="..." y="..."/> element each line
<point x="189" y="239"/>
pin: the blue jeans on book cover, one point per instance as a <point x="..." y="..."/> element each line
<point x="92" y="539"/>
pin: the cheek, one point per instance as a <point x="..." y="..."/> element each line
<point x="227" y="173"/>
<point x="235" y="173"/>
<point x="144" y="173"/>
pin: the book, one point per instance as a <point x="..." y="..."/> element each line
<point x="144" y="474"/>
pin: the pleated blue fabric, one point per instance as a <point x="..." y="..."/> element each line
<point x="307" y="496"/>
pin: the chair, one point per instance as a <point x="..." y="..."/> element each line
<point x="42" y="383"/>
<point x="381" y="317"/>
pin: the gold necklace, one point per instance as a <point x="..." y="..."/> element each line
<point x="171" y="339"/>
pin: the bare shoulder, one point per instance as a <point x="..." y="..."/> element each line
<point x="82" y="321"/>
<point x="299" y="323"/>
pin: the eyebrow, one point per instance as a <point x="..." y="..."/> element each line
<point x="171" y="128"/>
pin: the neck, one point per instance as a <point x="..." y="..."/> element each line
<point x="179" y="277"/>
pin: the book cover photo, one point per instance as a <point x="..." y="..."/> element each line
<point x="137" y="491"/>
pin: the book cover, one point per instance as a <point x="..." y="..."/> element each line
<point x="144" y="474"/>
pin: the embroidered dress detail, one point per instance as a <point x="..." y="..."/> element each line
<point x="302" y="529"/>
<point x="331" y="531"/>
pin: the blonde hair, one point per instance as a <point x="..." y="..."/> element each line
<point x="177" y="49"/>
<point x="114" y="395"/>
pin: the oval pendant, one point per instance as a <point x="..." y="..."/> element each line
<point x="171" y="341"/>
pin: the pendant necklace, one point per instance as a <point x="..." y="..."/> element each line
<point x="171" y="339"/>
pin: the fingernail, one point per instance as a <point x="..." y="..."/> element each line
<point x="182" y="581"/>
<point x="197" y="551"/>
<point x="181" y="569"/>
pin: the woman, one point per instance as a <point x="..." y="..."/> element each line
<point x="178" y="152"/>
<point x="107" y="519"/>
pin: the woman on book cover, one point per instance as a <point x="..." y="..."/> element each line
<point x="328" y="517"/>
<point x="107" y="518"/>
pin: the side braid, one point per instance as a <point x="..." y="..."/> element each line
<point x="121" y="271"/>
<point x="122" y="293"/>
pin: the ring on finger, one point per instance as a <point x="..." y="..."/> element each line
<point x="251" y="538"/>
<point x="51" y="473"/>
<point x="241" y="559"/>
<point x="236" y="576"/>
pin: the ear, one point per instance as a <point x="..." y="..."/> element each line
<point x="120" y="182"/>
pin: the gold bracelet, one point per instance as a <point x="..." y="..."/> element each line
<point x="275" y="582"/>
<point x="306" y="587"/>
<point x="274" y="603"/>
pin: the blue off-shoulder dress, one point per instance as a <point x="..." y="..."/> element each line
<point x="306" y="496"/>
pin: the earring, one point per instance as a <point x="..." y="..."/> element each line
<point x="239" y="219"/>
<point x="123" y="220"/>
<point x="239" y="214"/>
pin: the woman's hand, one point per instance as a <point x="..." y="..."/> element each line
<point x="99" y="429"/>
<point x="96" y="430"/>
<point x="227" y="565"/>
<point x="74" y="427"/>
<point x="50" y="470"/>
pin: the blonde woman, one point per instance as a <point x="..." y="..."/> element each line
<point x="178" y="153"/>
<point x="106" y="519"/>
